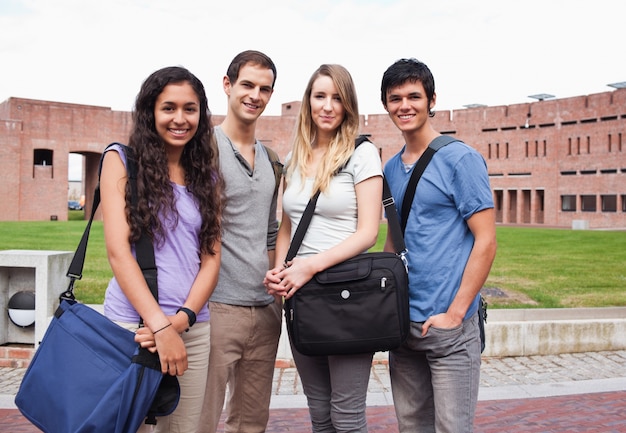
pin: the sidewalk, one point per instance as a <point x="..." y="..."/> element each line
<point x="581" y="392"/>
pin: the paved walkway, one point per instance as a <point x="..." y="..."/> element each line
<point x="581" y="392"/>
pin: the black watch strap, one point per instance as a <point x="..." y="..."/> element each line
<point x="190" y="314"/>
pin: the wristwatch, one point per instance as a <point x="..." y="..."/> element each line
<point x="190" y="314"/>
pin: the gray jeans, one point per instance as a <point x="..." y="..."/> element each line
<point x="336" y="390"/>
<point x="435" y="379"/>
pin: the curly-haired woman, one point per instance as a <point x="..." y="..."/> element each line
<point x="179" y="207"/>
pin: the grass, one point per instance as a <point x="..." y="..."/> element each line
<point x="561" y="268"/>
<point x="64" y="236"/>
<point x="534" y="267"/>
<point x="555" y="268"/>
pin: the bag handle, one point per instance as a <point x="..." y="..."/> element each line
<point x="143" y="247"/>
<point x="388" y="204"/>
<point x="418" y="170"/>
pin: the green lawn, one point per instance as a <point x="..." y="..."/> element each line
<point x="562" y="268"/>
<point x="64" y="236"/>
<point x="555" y="268"/>
<point x="534" y="267"/>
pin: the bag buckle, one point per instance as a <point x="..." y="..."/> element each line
<point x="402" y="254"/>
<point x="68" y="295"/>
<point x="388" y="202"/>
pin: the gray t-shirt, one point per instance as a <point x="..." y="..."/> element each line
<point x="249" y="224"/>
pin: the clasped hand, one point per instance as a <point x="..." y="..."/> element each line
<point x="287" y="279"/>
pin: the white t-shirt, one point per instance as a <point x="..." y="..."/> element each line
<point x="335" y="216"/>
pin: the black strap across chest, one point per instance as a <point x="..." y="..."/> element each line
<point x="418" y="170"/>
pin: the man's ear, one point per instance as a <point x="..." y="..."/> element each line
<point x="226" y="84"/>
<point x="433" y="101"/>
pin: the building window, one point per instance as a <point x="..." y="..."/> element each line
<point x="527" y="149"/>
<point x="569" y="146"/>
<point x="42" y="163"/>
<point x="568" y="203"/>
<point x="623" y="202"/>
<point x="42" y="157"/>
<point x="609" y="203"/>
<point x="588" y="203"/>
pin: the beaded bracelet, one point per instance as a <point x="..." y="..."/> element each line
<point x="159" y="330"/>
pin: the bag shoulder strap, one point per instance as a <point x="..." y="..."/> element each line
<point x="277" y="166"/>
<point x="388" y="204"/>
<point x="418" y="170"/>
<point x="143" y="247"/>
<point x="360" y="139"/>
<point x="75" y="270"/>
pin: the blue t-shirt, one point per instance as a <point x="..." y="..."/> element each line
<point x="454" y="186"/>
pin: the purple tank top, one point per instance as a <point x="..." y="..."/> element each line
<point x="177" y="261"/>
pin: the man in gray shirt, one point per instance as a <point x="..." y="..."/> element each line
<point x="245" y="320"/>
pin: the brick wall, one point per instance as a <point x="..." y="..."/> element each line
<point x="536" y="153"/>
<point x="17" y="356"/>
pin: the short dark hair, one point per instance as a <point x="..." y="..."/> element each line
<point x="253" y="57"/>
<point x="407" y="70"/>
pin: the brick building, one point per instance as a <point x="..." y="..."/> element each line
<point x="556" y="162"/>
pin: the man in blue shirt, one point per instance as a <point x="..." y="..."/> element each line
<point x="451" y="241"/>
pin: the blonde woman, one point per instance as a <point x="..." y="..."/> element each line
<point x="345" y="223"/>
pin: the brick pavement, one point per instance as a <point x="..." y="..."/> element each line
<point x="590" y="413"/>
<point x="583" y="392"/>
<point x="586" y="413"/>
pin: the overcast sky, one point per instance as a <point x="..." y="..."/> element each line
<point x="492" y="52"/>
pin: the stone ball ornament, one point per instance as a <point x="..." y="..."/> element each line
<point x="22" y="309"/>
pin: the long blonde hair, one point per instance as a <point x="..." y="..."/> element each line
<point x="341" y="147"/>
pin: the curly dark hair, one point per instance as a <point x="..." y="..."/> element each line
<point x="199" y="160"/>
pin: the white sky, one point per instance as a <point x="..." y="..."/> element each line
<point x="494" y="52"/>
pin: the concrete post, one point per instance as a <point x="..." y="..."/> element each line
<point x="42" y="272"/>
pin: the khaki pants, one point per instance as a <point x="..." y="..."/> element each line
<point x="244" y="341"/>
<point x="192" y="383"/>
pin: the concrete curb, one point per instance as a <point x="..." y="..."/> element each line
<point x="526" y="332"/>
<point x="515" y="332"/>
<point x="529" y="332"/>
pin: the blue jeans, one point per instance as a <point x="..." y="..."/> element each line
<point x="336" y="390"/>
<point x="435" y="379"/>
